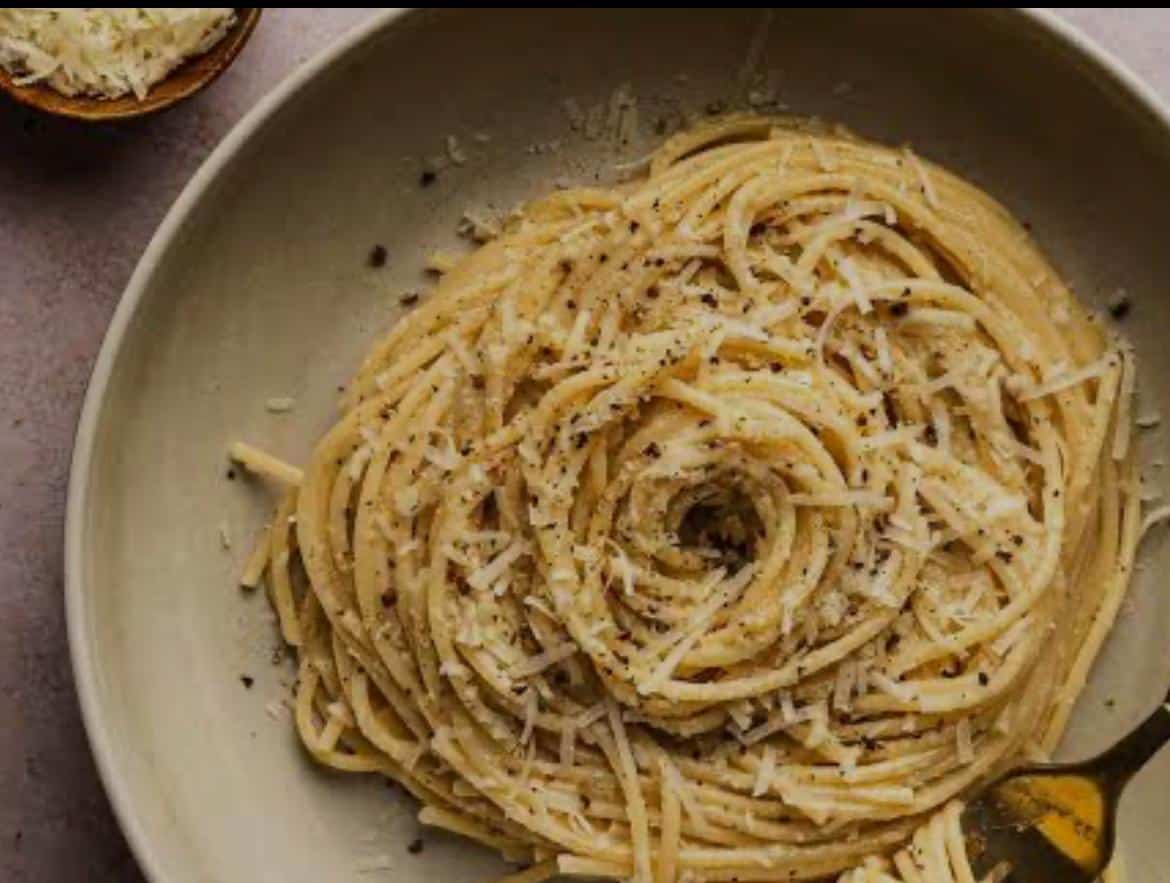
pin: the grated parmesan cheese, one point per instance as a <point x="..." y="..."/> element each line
<point x="455" y="152"/>
<point x="825" y="160"/>
<point x="964" y="746"/>
<point x="845" y="498"/>
<point x="531" y="709"/>
<point x="1060" y="381"/>
<point x="575" y="114"/>
<point x="924" y="182"/>
<point x="477" y="228"/>
<point x="591" y="716"/>
<point x="764" y="772"/>
<point x="1152" y="518"/>
<point x="1148" y="421"/>
<point x="890" y="687"/>
<point x="568" y="745"/>
<point x="1006" y="641"/>
<point x="541" y="661"/>
<point x="440" y="262"/>
<point x="843" y="686"/>
<point x="491" y="572"/>
<point x="105" y="52"/>
<point x="374" y="863"/>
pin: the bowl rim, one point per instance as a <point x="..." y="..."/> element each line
<point x="108" y="757"/>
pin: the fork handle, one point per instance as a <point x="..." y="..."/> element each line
<point x="1129" y="755"/>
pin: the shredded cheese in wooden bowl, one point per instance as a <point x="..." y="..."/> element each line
<point x="104" y="52"/>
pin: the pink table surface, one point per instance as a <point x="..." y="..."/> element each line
<point x="77" y="206"/>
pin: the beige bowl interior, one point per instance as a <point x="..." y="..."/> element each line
<point x="258" y="286"/>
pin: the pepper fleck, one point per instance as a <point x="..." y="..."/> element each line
<point x="426" y="179"/>
<point x="415" y="846"/>
<point x="1120" y="308"/>
<point x="378" y="255"/>
<point x="247" y="681"/>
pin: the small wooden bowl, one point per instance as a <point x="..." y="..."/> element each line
<point x="183" y="82"/>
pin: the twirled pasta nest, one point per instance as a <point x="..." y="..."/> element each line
<point x="723" y="525"/>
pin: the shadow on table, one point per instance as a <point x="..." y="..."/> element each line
<point x="45" y="146"/>
<point x="41" y="151"/>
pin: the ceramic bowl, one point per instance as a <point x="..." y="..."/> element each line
<point x="258" y="284"/>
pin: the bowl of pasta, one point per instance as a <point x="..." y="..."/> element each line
<point x="640" y="463"/>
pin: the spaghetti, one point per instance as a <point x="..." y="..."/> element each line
<point x="729" y="524"/>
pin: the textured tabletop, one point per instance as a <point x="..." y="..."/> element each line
<point x="77" y="207"/>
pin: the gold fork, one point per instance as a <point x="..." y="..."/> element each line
<point x="1056" y="823"/>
